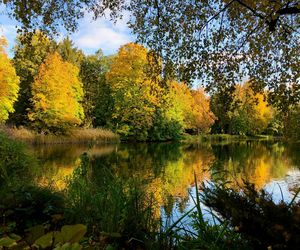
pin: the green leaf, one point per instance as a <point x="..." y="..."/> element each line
<point x="49" y="239"/>
<point x="7" y="242"/>
<point x="68" y="246"/>
<point x="73" y="233"/>
<point x="15" y="237"/>
<point x="34" y="233"/>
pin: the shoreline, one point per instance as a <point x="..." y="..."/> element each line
<point x="105" y="136"/>
<point x="76" y="136"/>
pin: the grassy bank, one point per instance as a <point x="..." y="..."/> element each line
<point x="75" y="136"/>
<point x="224" y="138"/>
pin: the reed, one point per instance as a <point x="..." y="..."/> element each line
<point x="75" y="136"/>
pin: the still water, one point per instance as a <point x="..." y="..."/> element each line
<point x="167" y="169"/>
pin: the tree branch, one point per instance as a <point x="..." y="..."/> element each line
<point x="289" y="10"/>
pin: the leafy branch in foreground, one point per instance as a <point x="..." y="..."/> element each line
<point x="256" y="216"/>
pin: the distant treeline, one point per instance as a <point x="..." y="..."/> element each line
<point x="52" y="87"/>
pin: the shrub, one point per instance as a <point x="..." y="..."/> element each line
<point x="15" y="163"/>
<point x="25" y="206"/>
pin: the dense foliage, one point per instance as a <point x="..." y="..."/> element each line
<point x="135" y="94"/>
<point x="215" y="40"/>
<point x="56" y="96"/>
<point x="29" y="53"/>
<point x="14" y="161"/>
<point x="131" y="94"/>
<point x="245" y="113"/>
<point x="255" y="215"/>
<point x="9" y="84"/>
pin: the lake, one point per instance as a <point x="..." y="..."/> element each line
<point x="167" y="169"/>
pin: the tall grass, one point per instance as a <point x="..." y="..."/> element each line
<point x="194" y="231"/>
<point x="76" y="135"/>
<point x="117" y="211"/>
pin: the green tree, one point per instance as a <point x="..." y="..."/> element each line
<point x="29" y="53"/>
<point x="292" y="130"/>
<point x="56" y="96"/>
<point x="69" y="52"/>
<point x="222" y="104"/>
<point x="97" y="101"/>
<point x="253" y="114"/>
<point x="9" y="84"/>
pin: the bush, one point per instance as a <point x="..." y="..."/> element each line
<point x="25" y="206"/>
<point x="165" y="130"/>
<point x="15" y="163"/>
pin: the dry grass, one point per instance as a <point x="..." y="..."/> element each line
<point x="78" y="135"/>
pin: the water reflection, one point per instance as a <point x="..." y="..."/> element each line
<point x="167" y="169"/>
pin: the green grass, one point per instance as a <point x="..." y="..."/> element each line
<point x="223" y="138"/>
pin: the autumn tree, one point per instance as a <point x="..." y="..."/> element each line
<point x="203" y="117"/>
<point x="252" y="115"/>
<point x="173" y="114"/>
<point x="192" y="106"/>
<point x="29" y="53"/>
<point x="182" y="110"/>
<point x="56" y="96"/>
<point x="210" y="40"/>
<point x="134" y="92"/>
<point x="9" y="83"/>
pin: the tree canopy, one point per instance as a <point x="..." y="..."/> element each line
<point x="29" y="53"/>
<point x="56" y="96"/>
<point x="223" y="39"/>
<point x="9" y="84"/>
<point x="135" y="94"/>
<point x="210" y="40"/>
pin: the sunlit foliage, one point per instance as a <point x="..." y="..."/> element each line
<point x="9" y="83"/>
<point x="252" y="114"/>
<point x="29" y="53"/>
<point x="203" y="118"/>
<point x="135" y="94"/>
<point x="242" y="112"/>
<point x="57" y="93"/>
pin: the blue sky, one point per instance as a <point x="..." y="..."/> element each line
<point x="90" y="36"/>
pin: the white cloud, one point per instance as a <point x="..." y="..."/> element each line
<point x="102" y="34"/>
<point x="9" y="31"/>
<point x="91" y="35"/>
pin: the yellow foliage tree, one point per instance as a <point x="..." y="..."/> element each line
<point x="254" y="105"/>
<point x="9" y="83"/>
<point x="134" y="92"/>
<point x="180" y="104"/>
<point x="57" y="93"/>
<point x="190" y="107"/>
